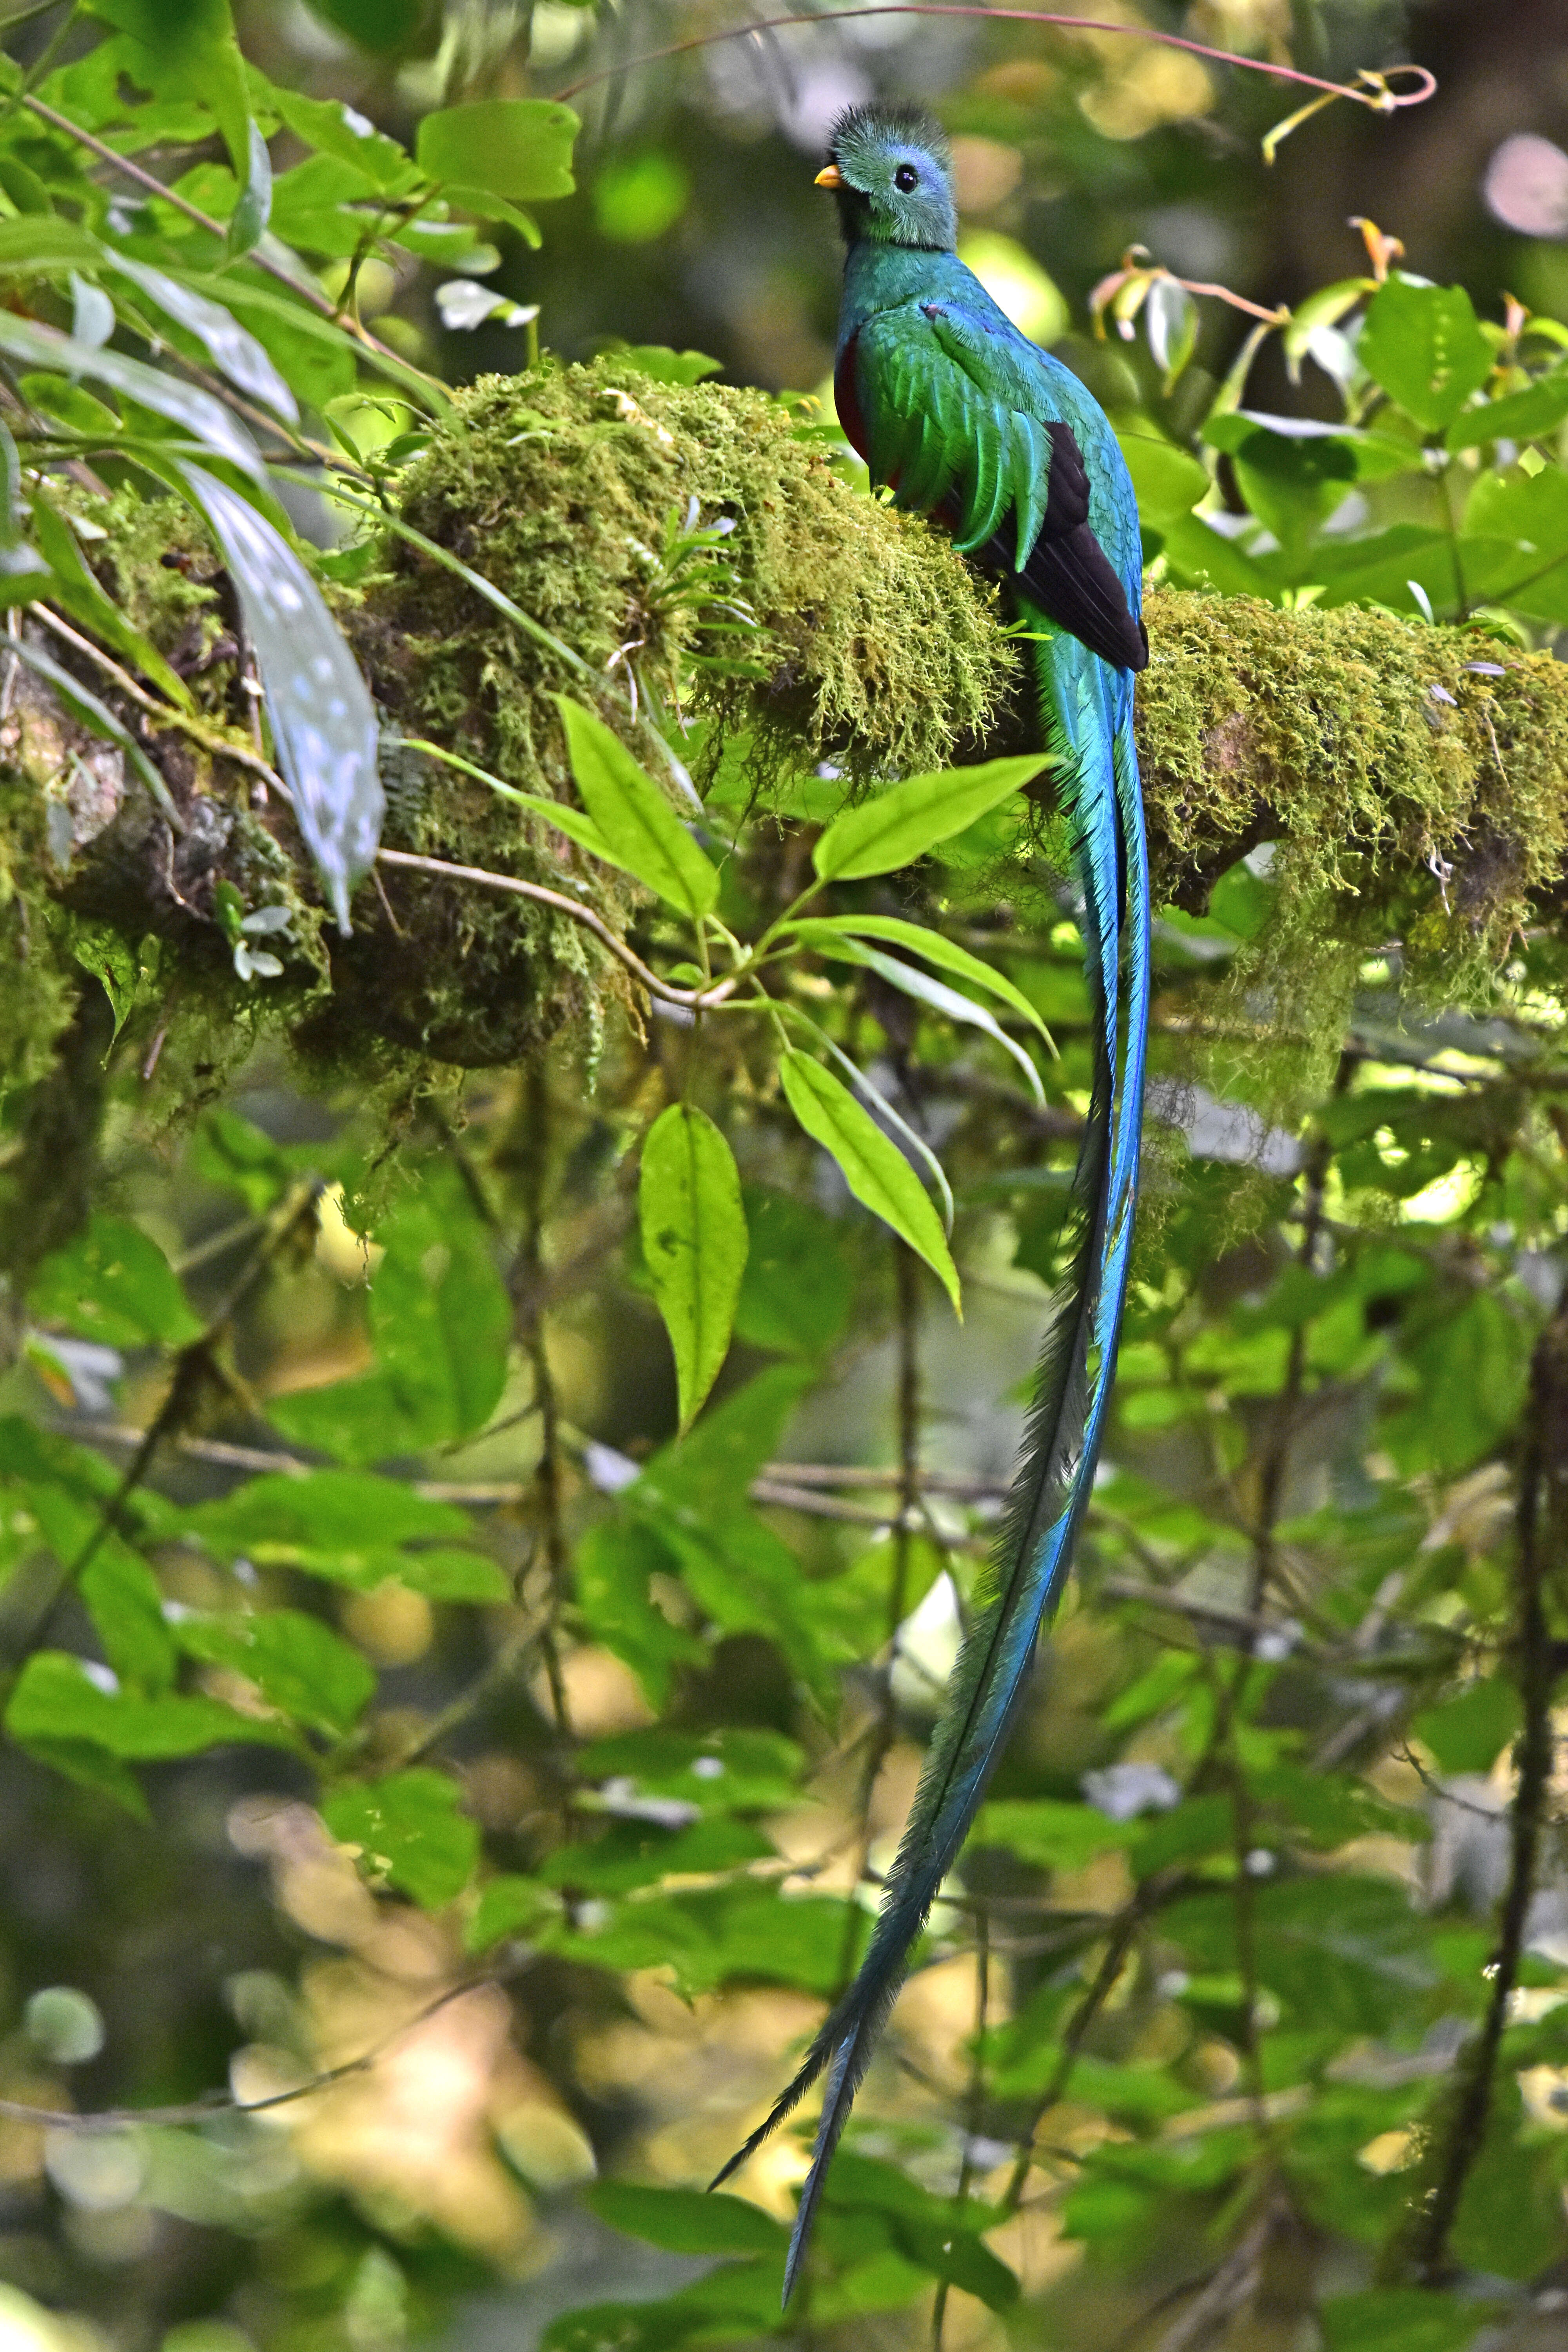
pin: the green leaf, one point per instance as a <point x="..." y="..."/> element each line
<point x="1470" y="1733"/>
<point x="644" y="835"/>
<point x="1167" y="481"/>
<point x="1050" y="1833"/>
<point x="190" y="51"/>
<point x="55" y="1698"/>
<point x="664" y="365"/>
<point x="1422" y="345"/>
<point x="694" y="1242"/>
<point x="192" y="411"/>
<point x="233" y="351"/>
<point x="1518" y="417"/>
<point x="299" y="1664"/>
<point x="614" y="1564"/>
<point x="902" y="825"/>
<point x="507" y="1904"/>
<point x="874" y="1170"/>
<point x="348" y="1511"/>
<point x="685" y="2220"/>
<point x="945" y="953"/>
<point x="388" y="29"/>
<point x="441" y="1322"/>
<point x="45" y="244"/>
<point x="514" y="147"/>
<point x="409" y="1831"/>
<point x="1400" y="2319"/>
<point x="113" y="1283"/>
<point x="795" y="1292"/>
<point x="323" y="721"/>
<point x="126" y="1606"/>
<point x="935" y="994"/>
<point x="634" y="1854"/>
<point x="720" y="1771"/>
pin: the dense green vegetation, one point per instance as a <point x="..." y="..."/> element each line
<point x="538" y="978"/>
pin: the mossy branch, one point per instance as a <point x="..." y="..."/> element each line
<point x="1413" y="779"/>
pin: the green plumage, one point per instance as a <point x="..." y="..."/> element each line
<point x="967" y="421"/>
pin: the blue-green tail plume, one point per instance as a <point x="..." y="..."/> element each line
<point x="965" y="419"/>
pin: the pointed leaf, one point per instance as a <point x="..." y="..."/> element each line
<point x="938" y="995"/>
<point x="694" y="1240"/>
<point x="945" y="953"/>
<point x="195" y="412"/>
<point x="516" y="147"/>
<point x="248" y="222"/>
<point x="874" y="1170"/>
<point x="409" y="1830"/>
<point x="323" y="721"/>
<point x="1424" y="346"/>
<point x="232" y="348"/>
<point x="901" y="825"/>
<point x="645" y="835"/>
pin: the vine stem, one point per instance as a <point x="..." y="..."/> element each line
<point x="1377" y="95"/>
<point x="1420" y="2248"/>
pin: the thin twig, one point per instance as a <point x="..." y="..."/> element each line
<point x="219" y="2102"/>
<point x="146" y="180"/>
<point x="1382" y="103"/>
<point x="1421" y="2246"/>
<point x="167" y="714"/>
<point x="698" y="999"/>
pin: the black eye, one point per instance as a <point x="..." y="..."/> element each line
<point x="906" y="177"/>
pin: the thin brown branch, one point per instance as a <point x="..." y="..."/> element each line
<point x="219" y="2102"/>
<point x="152" y="185"/>
<point x="1382" y="101"/>
<point x="167" y="713"/>
<point x="1420" y="2248"/>
<point x="698" y="999"/>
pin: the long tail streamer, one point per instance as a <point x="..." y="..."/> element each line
<point x="1087" y="712"/>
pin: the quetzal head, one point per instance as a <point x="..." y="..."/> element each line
<point x="887" y="165"/>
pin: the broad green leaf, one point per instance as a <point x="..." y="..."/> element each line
<point x="441" y="1322"/>
<point x="114" y="1284"/>
<point x="945" y="953"/>
<point x="287" y="331"/>
<point x="507" y="1905"/>
<point x="687" y="2221"/>
<point x="442" y="1572"/>
<point x="1400" y="2319"/>
<point x="1422" y="345"/>
<point x="645" y="835"/>
<point x="332" y="128"/>
<point x="299" y="1666"/>
<point x="613" y="1565"/>
<point x="1167" y="481"/>
<point x="234" y="351"/>
<point x="409" y="1831"/>
<point x="184" y="405"/>
<point x="323" y="721"/>
<point x="795" y="1292"/>
<point x="1050" y="1833"/>
<point x="517" y="148"/>
<point x="386" y="27"/>
<point x="902" y="825"/>
<point x="694" y="1243"/>
<point x="1518" y="417"/>
<point x="46" y="244"/>
<point x="1468" y="1734"/>
<point x="722" y="1772"/>
<point x="125" y="1604"/>
<point x="326" y="1509"/>
<point x="874" y="1170"/>
<point x="634" y="1854"/>
<point x="57" y="1698"/>
<point x="189" y="49"/>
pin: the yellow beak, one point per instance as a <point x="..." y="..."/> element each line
<point x="830" y="176"/>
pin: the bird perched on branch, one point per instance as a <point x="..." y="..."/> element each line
<point x="965" y="420"/>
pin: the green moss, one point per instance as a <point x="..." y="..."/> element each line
<point x="1392" y="773"/>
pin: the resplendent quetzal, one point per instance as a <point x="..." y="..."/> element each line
<point x="967" y="421"/>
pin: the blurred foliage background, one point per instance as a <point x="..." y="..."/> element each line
<point x="436" y="1730"/>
